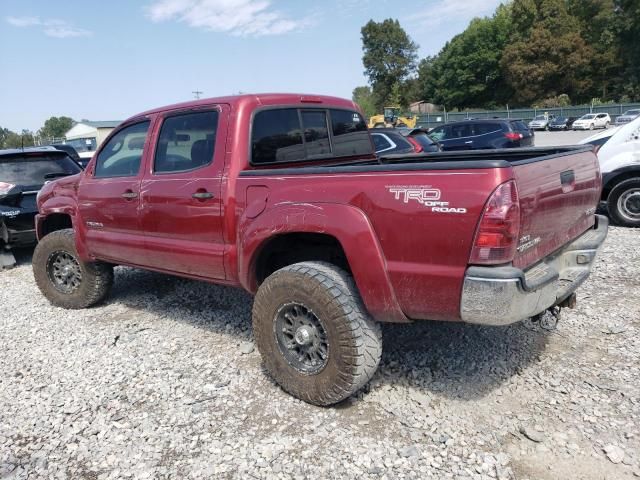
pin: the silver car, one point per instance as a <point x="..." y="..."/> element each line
<point x="628" y="116"/>
<point x="541" y="122"/>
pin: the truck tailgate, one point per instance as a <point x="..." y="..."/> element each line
<point x="558" y="198"/>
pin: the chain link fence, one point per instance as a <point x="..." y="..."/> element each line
<point x="429" y="120"/>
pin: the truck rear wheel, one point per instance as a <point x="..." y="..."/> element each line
<point x="315" y="337"/>
<point x="63" y="278"/>
<point x="623" y="203"/>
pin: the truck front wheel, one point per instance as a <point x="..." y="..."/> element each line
<point x="315" y="337"/>
<point x="63" y="278"/>
<point x="623" y="203"/>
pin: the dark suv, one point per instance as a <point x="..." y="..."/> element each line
<point x="22" y="175"/>
<point x="483" y="134"/>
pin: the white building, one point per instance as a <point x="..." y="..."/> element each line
<point x="86" y="136"/>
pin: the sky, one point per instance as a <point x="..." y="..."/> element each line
<point x="108" y="60"/>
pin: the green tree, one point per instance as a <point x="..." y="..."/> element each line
<point x="627" y="17"/>
<point x="550" y="58"/>
<point x="56" y="127"/>
<point x="17" y="140"/>
<point x="597" y="20"/>
<point x="389" y="59"/>
<point x="467" y="72"/>
<point x="363" y="96"/>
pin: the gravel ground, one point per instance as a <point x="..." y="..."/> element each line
<point x="163" y="382"/>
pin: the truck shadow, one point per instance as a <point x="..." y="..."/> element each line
<point x="451" y="359"/>
<point x="22" y="255"/>
<point x="457" y="360"/>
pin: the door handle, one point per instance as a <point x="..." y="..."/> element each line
<point x="129" y="195"/>
<point x="202" y="195"/>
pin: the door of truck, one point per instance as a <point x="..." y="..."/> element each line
<point x="180" y="202"/>
<point x="108" y="196"/>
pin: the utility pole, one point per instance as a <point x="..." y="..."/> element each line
<point x="197" y="93"/>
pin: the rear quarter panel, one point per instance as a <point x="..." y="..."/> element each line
<point x="425" y="251"/>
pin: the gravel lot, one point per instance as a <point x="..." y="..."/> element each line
<point x="163" y="382"/>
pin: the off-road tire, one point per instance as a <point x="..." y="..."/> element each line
<point x="354" y="339"/>
<point x="612" y="202"/>
<point x="97" y="278"/>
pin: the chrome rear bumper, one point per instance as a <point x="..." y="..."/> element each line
<point x="504" y="295"/>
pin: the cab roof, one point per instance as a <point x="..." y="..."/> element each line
<point x="256" y="100"/>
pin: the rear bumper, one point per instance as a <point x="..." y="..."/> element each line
<point x="505" y="295"/>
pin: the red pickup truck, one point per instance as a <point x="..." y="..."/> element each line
<point x="282" y="195"/>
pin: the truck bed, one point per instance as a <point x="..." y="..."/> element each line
<point x="427" y="249"/>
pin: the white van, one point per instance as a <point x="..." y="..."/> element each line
<point x="618" y="151"/>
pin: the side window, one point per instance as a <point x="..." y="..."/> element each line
<point x="122" y="154"/>
<point x="276" y="137"/>
<point x="316" y="133"/>
<point x="350" y="135"/>
<point x="437" y="134"/>
<point x="186" y="142"/>
<point x="484" y="128"/>
<point x="381" y="143"/>
<point x="459" y="131"/>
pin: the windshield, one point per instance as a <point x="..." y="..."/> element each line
<point x="30" y="170"/>
<point x="632" y="112"/>
<point x="588" y="116"/>
<point x="87" y="144"/>
<point x="540" y="117"/>
<point x="561" y="120"/>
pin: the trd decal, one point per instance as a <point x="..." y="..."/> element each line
<point x="424" y="195"/>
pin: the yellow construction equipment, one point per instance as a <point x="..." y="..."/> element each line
<point x="392" y="118"/>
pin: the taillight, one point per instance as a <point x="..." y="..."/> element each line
<point x="416" y="146"/>
<point x="497" y="235"/>
<point x="514" y="136"/>
<point x="5" y="187"/>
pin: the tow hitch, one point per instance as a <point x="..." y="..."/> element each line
<point x="550" y="317"/>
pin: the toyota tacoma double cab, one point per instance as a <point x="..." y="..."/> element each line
<point x="283" y="195"/>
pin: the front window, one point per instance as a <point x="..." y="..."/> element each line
<point x="540" y="117"/>
<point x="588" y="116"/>
<point x="437" y="134"/>
<point x="632" y="113"/>
<point x="122" y="155"/>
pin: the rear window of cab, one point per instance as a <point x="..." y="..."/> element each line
<point x="287" y="135"/>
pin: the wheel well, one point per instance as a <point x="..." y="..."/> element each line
<point x="55" y="222"/>
<point x="612" y="182"/>
<point x="292" y="248"/>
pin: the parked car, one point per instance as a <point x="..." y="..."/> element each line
<point x="483" y="134"/>
<point x="300" y="212"/>
<point x="591" y="121"/>
<point x="628" y="116"/>
<point x="421" y="140"/>
<point x="72" y="153"/>
<point x="541" y="122"/>
<point x="561" y="123"/>
<point x="390" y="141"/>
<point x="618" y="151"/>
<point x="22" y="175"/>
